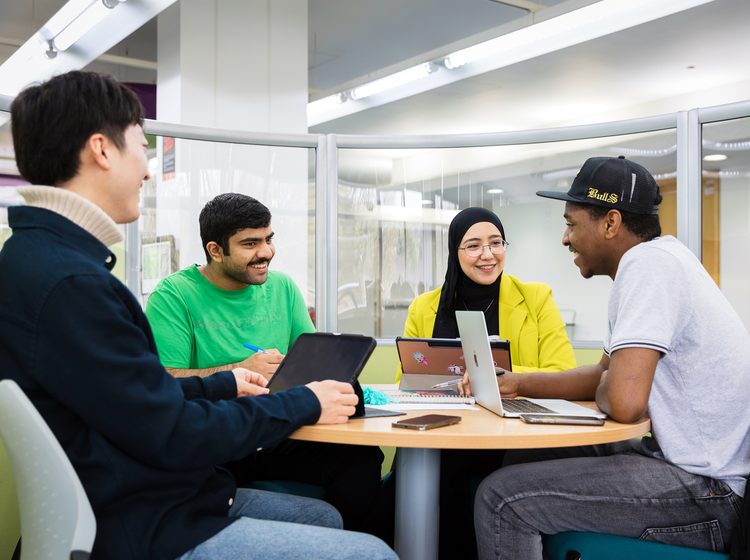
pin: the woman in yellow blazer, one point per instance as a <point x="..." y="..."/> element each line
<point x="529" y="319"/>
<point x="522" y="312"/>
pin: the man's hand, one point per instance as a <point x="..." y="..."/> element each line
<point x="509" y="384"/>
<point x="266" y="363"/>
<point x="625" y="383"/>
<point x="249" y="383"/>
<point x="337" y="401"/>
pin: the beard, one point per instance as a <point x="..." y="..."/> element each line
<point x="248" y="275"/>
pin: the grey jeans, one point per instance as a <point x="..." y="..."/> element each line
<point x="603" y="489"/>
<point x="272" y="526"/>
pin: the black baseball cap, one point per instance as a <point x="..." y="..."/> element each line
<point x="612" y="182"/>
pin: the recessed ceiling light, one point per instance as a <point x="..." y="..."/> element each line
<point x="714" y="157"/>
<point x="495" y="191"/>
<point x="426" y="202"/>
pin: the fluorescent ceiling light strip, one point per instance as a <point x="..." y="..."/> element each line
<point x="589" y="22"/>
<point x="592" y="21"/>
<point x="84" y="23"/>
<point x="391" y="82"/>
<point x="64" y="17"/>
<point x="323" y="105"/>
<point x="643" y="152"/>
<point x="728" y="146"/>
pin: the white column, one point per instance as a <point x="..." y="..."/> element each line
<point x="242" y="65"/>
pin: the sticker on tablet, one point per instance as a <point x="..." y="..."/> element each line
<point x="420" y="358"/>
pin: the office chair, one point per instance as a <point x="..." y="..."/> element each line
<point x="56" y="518"/>
<point x="572" y="545"/>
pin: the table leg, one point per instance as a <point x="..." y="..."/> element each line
<point x="417" y="503"/>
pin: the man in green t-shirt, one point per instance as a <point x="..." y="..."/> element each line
<point x="201" y="317"/>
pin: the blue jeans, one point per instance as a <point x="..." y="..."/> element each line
<point x="603" y="489"/>
<point x="273" y="526"/>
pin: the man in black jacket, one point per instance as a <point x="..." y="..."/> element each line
<point x="75" y="339"/>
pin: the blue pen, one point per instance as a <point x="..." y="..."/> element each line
<point x="253" y="347"/>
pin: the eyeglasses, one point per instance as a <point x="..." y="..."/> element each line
<point x="497" y="247"/>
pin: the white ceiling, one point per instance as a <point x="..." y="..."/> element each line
<point x="694" y="58"/>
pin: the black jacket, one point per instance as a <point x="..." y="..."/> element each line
<point x="143" y="443"/>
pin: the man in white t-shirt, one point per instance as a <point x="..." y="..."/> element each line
<point x="675" y="350"/>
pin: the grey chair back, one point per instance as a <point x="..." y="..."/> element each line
<point x="57" y="522"/>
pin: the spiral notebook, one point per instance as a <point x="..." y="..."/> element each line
<point x="426" y="397"/>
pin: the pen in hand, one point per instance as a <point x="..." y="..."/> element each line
<point x="253" y="347"/>
<point x="450" y="383"/>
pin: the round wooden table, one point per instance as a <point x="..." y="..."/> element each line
<point x="418" y="460"/>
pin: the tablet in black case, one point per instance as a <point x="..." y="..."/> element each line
<point x="320" y="356"/>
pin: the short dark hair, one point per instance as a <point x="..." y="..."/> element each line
<point x="644" y="226"/>
<point x="52" y="121"/>
<point x="227" y="214"/>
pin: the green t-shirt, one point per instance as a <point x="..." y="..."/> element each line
<point x="197" y="325"/>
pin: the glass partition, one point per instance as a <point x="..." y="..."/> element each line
<point x="395" y="199"/>
<point x="726" y="208"/>
<point x="394" y="207"/>
<point x="186" y="174"/>
<point x="9" y="179"/>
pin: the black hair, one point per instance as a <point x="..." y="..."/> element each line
<point x="52" y="121"/>
<point x="644" y="226"/>
<point x="227" y="214"/>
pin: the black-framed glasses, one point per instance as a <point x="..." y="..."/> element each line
<point x="497" y="247"/>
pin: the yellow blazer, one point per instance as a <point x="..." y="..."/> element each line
<point x="529" y="319"/>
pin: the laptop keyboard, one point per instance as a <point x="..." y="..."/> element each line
<point x="521" y="406"/>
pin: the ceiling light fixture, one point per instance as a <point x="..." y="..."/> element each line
<point x="321" y="106"/>
<point x="571" y="28"/>
<point x="643" y="152"/>
<point x="734" y="146"/>
<point x="393" y="81"/>
<point x="495" y="191"/>
<point x="73" y="21"/>
<point x="714" y="157"/>
<point x="554" y="33"/>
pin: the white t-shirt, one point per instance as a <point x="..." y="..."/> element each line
<point x="664" y="299"/>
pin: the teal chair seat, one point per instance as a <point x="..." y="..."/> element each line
<point x="573" y="545"/>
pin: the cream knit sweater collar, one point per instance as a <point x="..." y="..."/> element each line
<point x="76" y="208"/>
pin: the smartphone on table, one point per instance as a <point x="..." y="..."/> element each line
<point x="427" y="422"/>
<point x="560" y="419"/>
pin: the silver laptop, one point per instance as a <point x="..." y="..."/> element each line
<point x="479" y="365"/>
